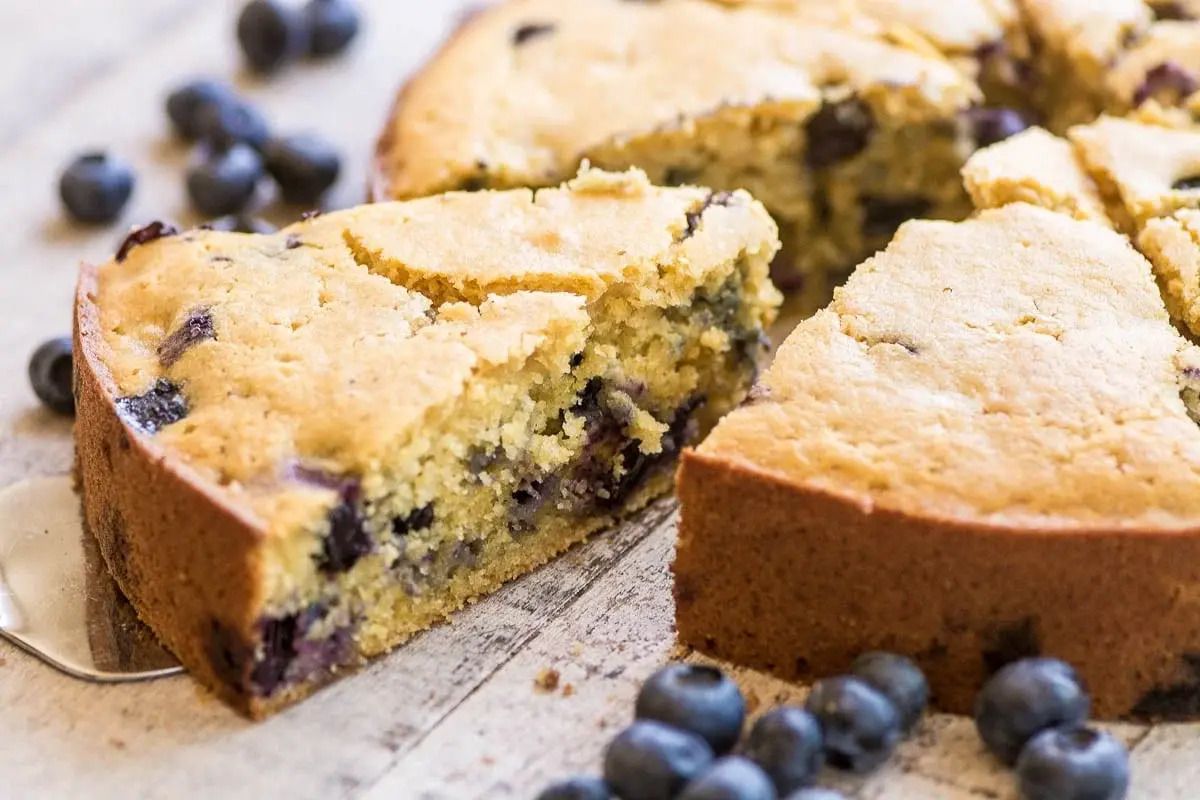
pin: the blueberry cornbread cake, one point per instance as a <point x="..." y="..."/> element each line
<point x="842" y="124"/>
<point x="986" y="447"/>
<point x="296" y="450"/>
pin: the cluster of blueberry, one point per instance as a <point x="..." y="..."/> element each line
<point x="688" y="723"/>
<point x="235" y="151"/>
<point x="236" y="146"/>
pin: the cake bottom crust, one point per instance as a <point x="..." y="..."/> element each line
<point x="800" y="582"/>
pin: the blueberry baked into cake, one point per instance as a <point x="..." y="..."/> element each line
<point x="987" y="447"/>
<point x="844" y="117"/>
<point x="296" y="450"/>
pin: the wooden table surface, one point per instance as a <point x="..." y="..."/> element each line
<point x="458" y="712"/>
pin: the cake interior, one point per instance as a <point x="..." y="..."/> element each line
<point x="526" y="463"/>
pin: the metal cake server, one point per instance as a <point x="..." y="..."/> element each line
<point x="57" y="600"/>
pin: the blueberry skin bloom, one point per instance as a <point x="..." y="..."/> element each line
<point x="224" y="182"/>
<point x="695" y="698"/>
<point x="860" y="725"/>
<point x="332" y="25"/>
<point x="271" y="34"/>
<point x="787" y="743"/>
<point x="899" y="679"/>
<point x="816" y="793"/>
<point x="1073" y="764"/>
<point x="185" y="104"/>
<point x="304" y="166"/>
<point x="95" y="187"/>
<point x="51" y="375"/>
<point x="652" y="761"/>
<point x="731" y="778"/>
<point x="1024" y="699"/>
<point x="581" y="787"/>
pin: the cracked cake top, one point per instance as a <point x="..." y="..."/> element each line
<point x="1012" y="369"/>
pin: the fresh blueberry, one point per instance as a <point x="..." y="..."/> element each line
<point x="185" y="104"/>
<point x="332" y="25"/>
<point x="303" y="165"/>
<point x="992" y="125"/>
<point x="787" y="743"/>
<point x="226" y="124"/>
<point x="1025" y="698"/>
<point x="271" y="34"/>
<point x="899" y="679"/>
<point x="583" y="787"/>
<point x="50" y="373"/>
<point x="223" y="181"/>
<point x="860" y="725"/>
<point x="695" y="698"/>
<point x="95" y="187"/>
<point x="816" y="793"/>
<point x="652" y="761"/>
<point x="1073" y="764"/>
<point x="241" y="223"/>
<point x="731" y="778"/>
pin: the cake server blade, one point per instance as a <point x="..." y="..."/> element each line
<point x="57" y="600"/>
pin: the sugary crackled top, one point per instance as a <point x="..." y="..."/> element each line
<point x="1089" y="31"/>
<point x="1147" y="167"/>
<point x="526" y="88"/>
<point x="974" y="23"/>
<point x="316" y="345"/>
<point x="1017" y="368"/>
<point x="1033" y="167"/>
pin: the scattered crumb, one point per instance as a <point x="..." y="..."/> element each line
<point x="577" y="649"/>
<point x="487" y="760"/>
<point x="753" y="701"/>
<point x="568" y="689"/>
<point x="546" y="680"/>
<point x="119" y="744"/>
<point x="3" y="662"/>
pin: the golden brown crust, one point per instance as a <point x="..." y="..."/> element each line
<point x="186" y="562"/>
<point x="799" y="581"/>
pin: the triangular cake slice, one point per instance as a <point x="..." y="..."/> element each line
<point x="297" y="450"/>
<point x="985" y="448"/>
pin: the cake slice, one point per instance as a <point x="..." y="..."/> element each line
<point x="841" y="124"/>
<point x="297" y="450"/>
<point x="985" y="448"/>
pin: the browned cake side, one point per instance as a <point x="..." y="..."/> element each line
<point x="800" y="582"/>
<point x="198" y="598"/>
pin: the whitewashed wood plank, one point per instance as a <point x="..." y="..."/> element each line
<point x="51" y="50"/>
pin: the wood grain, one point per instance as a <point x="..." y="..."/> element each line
<point x="456" y="713"/>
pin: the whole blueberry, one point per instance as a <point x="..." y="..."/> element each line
<point x="332" y="25"/>
<point x="731" y="778"/>
<point x="185" y="104"/>
<point x="1073" y="764"/>
<point x="241" y="223"/>
<point x="787" y="743"/>
<point x="899" y="679"/>
<point x="95" y="187"/>
<point x="992" y="125"/>
<point x="652" y="761"/>
<point x="581" y="787"/>
<point x="860" y="725"/>
<point x="232" y="122"/>
<point x="303" y="165"/>
<point x="50" y="373"/>
<point x="695" y="698"/>
<point x="1025" y="698"/>
<point x="816" y="793"/>
<point x="223" y="181"/>
<point x="271" y="34"/>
